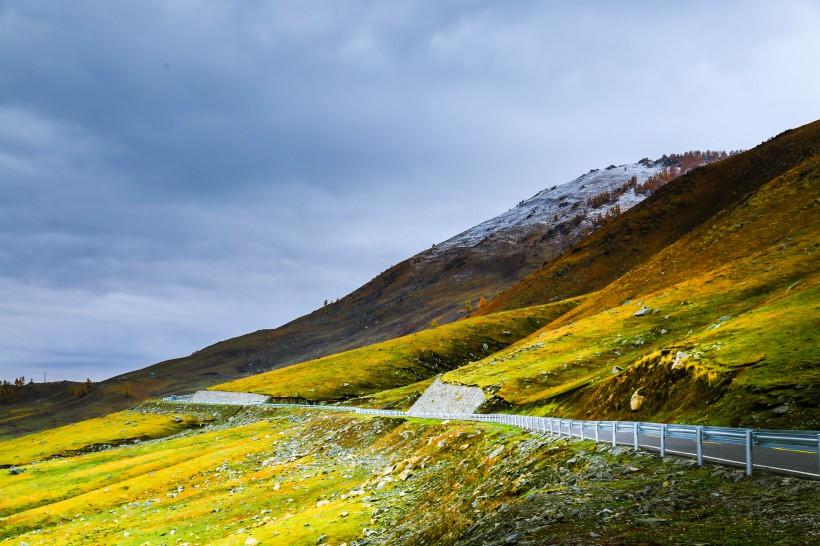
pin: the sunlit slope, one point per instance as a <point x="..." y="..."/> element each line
<point x="739" y="296"/>
<point x="668" y="215"/>
<point x="294" y="478"/>
<point x="401" y="361"/>
<point x="113" y="429"/>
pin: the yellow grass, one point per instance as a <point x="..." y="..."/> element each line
<point x="110" y="429"/>
<point x="400" y="361"/>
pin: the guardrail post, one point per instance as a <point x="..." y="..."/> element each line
<point x="552" y="433"/>
<point x="614" y="434"/>
<point x="597" y="433"/>
<point x="699" y="444"/>
<point x="818" y="453"/>
<point x="635" y="436"/>
<point x="582" y="429"/>
<point x="663" y="441"/>
<point x="749" y="461"/>
<point x="570" y="428"/>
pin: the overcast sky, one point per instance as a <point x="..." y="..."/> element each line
<point x="177" y="173"/>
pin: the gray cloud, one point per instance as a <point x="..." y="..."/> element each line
<point x="175" y="173"/>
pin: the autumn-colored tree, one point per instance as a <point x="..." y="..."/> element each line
<point x="78" y="391"/>
<point x="7" y="394"/>
<point x="434" y="323"/>
<point x="482" y="301"/>
<point x="125" y="390"/>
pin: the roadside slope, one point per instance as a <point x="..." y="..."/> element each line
<point x="280" y="477"/>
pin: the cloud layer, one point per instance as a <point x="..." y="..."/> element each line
<point x="176" y="173"/>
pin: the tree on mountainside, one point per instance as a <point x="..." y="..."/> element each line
<point x="78" y="391"/>
<point x="6" y="392"/>
<point x="125" y="390"/>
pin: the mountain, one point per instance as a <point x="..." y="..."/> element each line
<point x="672" y="212"/>
<point x="710" y="316"/>
<point x="439" y="285"/>
<point x="701" y="303"/>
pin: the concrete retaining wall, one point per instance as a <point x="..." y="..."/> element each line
<point x="443" y="398"/>
<point x="224" y="397"/>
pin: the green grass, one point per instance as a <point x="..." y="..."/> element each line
<point x="402" y="361"/>
<point x="114" y="429"/>
<point x="290" y="477"/>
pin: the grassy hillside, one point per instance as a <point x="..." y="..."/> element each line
<point x="277" y="477"/>
<point x="401" y="361"/>
<point x="113" y="429"/>
<point x="669" y="214"/>
<point x="738" y="296"/>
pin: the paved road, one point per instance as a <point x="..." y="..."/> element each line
<point x="804" y="464"/>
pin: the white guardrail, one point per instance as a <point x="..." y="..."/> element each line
<point x="748" y="441"/>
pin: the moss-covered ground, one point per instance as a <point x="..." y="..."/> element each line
<point x="113" y="429"/>
<point x="295" y="477"/>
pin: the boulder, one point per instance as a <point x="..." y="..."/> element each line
<point x="680" y="358"/>
<point x="637" y="400"/>
<point x="642" y="311"/>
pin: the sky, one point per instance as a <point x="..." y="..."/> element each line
<point x="177" y="173"/>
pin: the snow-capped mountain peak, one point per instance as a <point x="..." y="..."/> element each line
<point x="590" y="196"/>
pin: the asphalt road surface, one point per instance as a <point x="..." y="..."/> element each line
<point x="804" y="464"/>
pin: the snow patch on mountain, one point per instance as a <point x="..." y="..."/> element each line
<point x="558" y="204"/>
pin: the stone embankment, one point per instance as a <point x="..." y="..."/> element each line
<point x="443" y="398"/>
<point x="224" y="397"/>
